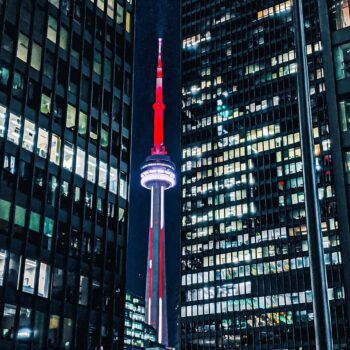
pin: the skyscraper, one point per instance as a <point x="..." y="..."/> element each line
<point x="138" y="334"/>
<point x="245" y="255"/>
<point x="65" y="97"/>
<point x="157" y="175"/>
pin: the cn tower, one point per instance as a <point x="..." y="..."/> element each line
<point x="157" y="175"/>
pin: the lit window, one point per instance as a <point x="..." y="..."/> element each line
<point x="2" y="263"/>
<point x="80" y="163"/>
<point x="63" y="38"/>
<point x="113" y="180"/>
<point x="14" y="128"/>
<point x="342" y="14"/>
<point x="68" y="155"/>
<point x="83" y="290"/>
<point x="29" y="276"/>
<point x="344" y="110"/>
<point x="110" y="8"/>
<point x="44" y="280"/>
<point x="128" y="22"/>
<point x="52" y="29"/>
<point x="22" y="48"/>
<point x="53" y="333"/>
<point x="43" y="143"/>
<point x="2" y="120"/>
<point x="45" y="106"/>
<point x="82" y="123"/>
<point x="91" y="171"/>
<point x="48" y="232"/>
<point x="55" y="149"/>
<point x="120" y="14"/>
<point x="342" y="61"/>
<point x="104" y="137"/>
<point x="35" y="61"/>
<point x="34" y="222"/>
<point x="28" y="135"/>
<point x="347" y="167"/>
<point x="20" y="215"/>
<point x="70" y="122"/>
<point x="123" y="186"/>
<point x="102" y="177"/>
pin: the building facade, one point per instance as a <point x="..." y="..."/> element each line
<point x="138" y="334"/>
<point x="65" y="116"/>
<point x="245" y="263"/>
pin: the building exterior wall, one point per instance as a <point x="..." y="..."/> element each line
<point x="245" y="264"/>
<point x="65" y="116"/>
<point x="138" y="334"/>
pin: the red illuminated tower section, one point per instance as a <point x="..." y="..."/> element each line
<point x="157" y="175"/>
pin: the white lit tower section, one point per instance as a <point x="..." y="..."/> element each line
<point x="157" y="175"/>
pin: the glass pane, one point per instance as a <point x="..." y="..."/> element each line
<point x="2" y="265"/>
<point x="34" y="223"/>
<point x="53" y="330"/>
<point x="3" y="118"/>
<point x="24" y="332"/>
<point x="44" y="280"/>
<point x="28" y="135"/>
<point x="5" y="207"/>
<point x="55" y="149"/>
<point x="82" y="123"/>
<point x="102" y="177"/>
<point x="8" y="321"/>
<point x="67" y="333"/>
<point x="39" y="329"/>
<point x="113" y="180"/>
<point x="22" y="48"/>
<point x="43" y="143"/>
<point x="45" y="106"/>
<point x="80" y="163"/>
<point x="14" y="128"/>
<point x="83" y="290"/>
<point x="70" y="122"/>
<point x="91" y="175"/>
<point x="20" y="215"/>
<point x="29" y="276"/>
<point x="68" y="154"/>
<point x="35" y="61"/>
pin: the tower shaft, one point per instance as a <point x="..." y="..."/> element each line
<point x="156" y="306"/>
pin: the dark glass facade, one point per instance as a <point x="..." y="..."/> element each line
<point x="65" y="117"/>
<point x="245" y="264"/>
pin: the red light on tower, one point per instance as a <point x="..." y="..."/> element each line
<point x="159" y="107"/>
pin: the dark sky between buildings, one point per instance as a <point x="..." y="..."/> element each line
<point x="160" y="18"/>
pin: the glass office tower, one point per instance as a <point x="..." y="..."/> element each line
<point x="65" y="97"/>
<point x="138" y="334"/>
<point x="245" y="263"/>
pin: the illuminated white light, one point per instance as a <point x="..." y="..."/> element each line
<point x="160" y="330"/>
<point x="151" y="224"/>
<point x="194" y="89"/>
<point x="150" y="263"/>
<point x="158" y="175"/>
<point x="149" y="310"/>
<point x="24" y="333"/>
<point x="162" y="207"/>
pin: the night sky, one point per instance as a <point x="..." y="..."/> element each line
<point x="154" y="19"/>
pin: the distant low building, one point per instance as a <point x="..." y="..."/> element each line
<point x="138" y="334"/>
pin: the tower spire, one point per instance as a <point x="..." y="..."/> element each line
<point x="159" y="107"/>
